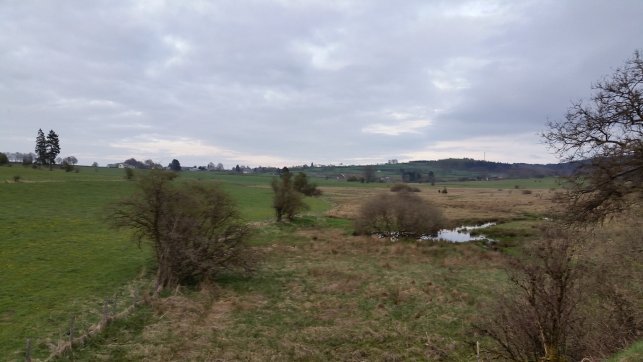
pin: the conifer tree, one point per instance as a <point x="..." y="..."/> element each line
<point x="41" y="148"/>
<point x="53" y="148"/>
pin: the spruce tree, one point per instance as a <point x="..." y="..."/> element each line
<point x="41" y="148"/>
<point x="53" y="148"/>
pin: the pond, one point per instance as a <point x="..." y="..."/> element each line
<point x="461" y="234"/>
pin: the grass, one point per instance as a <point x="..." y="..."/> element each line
<point x="58" y="258"/>
<point x="521" y="184"/>
<point x="56" y="254"/>
<point x="324" y="296"/>
<point x="321" y="293"/>
<point x="632" y="354"/>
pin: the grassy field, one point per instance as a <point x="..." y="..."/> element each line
<point x="56" y="254"/>
<point x="58" y="258"/>
<point x="319" y="294"/>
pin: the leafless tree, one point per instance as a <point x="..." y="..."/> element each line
<point x="605" y="135"/>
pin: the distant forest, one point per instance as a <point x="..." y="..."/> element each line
<point x="452" y="169"/>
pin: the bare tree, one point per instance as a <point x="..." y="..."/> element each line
<point x="193" y="228"/>
<point x="605" y="135"/>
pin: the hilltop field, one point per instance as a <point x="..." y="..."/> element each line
<point x="320" y="293"/>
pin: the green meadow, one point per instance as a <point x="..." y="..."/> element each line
<point x="59" y="258"/>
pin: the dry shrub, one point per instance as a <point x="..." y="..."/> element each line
<point x="539" y="316"/>
<point x="568" y="300"/>
<point x="615" y="256"/>
<point x="403" y="214"/>
<point x="404" y="187"/>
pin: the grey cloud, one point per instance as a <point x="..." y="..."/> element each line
<point x="297" y="81"/>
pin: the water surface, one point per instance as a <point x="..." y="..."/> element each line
<point x="461" y="234"/>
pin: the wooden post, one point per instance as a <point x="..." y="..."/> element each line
<point x="28" y="351"/>
<point x="71" y="335"/>
<point x="477" y="351"/>
<point x="105" y="312"/>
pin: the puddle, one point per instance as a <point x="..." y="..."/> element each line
<point x="461" y="234"/>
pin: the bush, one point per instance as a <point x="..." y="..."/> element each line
<point x="3" y="159"/>
<point x="568" y="301"/>
<point x="68" y="167"/>
<point x="129" y="174"/>
<point x="526" y="192"/>
<point x="404" y="187"/>
<point x="194" y="228"/>
<point x="286" y="201"/>
<point x="302" y="185"/>
<point x="403" y="213"/>
<point x="16" y="178"/>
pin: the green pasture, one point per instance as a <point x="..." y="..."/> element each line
<point x="58" y="257"/>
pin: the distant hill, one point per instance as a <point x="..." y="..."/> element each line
<point x="452" y="169"/>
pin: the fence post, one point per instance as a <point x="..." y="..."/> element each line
<point x="28" y="350"/>
<point x="105" y="312"/>
<point x="71" y="335"/>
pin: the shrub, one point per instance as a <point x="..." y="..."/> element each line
<point x="286" y="201"/>
<point x="568" y="302"/>
<point x="302" y="185"/>
<point x="404" y="187"/>
<point x="67" y="166"/>
<point x="129" y="174"/>
<point x="3" y="159"/>
<point x="194" y="228"/>
<point x="16" y="178"/>
<point x="526" y="192"/>
<point x="403" y="213"/>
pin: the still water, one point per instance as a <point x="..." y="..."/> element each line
<point x="461" y="234"/>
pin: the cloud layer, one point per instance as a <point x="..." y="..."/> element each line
<point x="288" y="82"/>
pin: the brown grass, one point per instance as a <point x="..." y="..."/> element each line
<point x="329" y="297"/>
<point x="458" y="205"/>
<point x="324" y="295"/>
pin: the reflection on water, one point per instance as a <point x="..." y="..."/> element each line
<point x="461" y="234"/>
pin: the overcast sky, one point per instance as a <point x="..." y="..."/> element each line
<point x="288" y="82"/>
